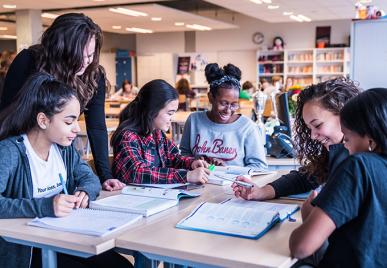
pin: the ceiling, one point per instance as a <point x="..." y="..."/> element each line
<point x="316" y="10"/>
<point x="186" y="11"/>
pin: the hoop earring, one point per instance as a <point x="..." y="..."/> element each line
<point x="370" y="148"/>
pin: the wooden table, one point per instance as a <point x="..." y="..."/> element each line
<point x="156" y="235"/>
<point x="161" y="241"/>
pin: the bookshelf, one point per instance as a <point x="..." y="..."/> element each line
<point x="303" y="66"/>
<point x="270" y="64"/>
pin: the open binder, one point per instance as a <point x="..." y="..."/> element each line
<point x="235" y="217"/>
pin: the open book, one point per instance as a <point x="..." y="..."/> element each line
<point x="236" y="218"/>
<point x="223" y="175"/>
<point x="142" y="200"/>
<point x="88" y="221"/>
<point x="284" y="210"/>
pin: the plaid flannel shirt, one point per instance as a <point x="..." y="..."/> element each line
<point x="134" y="161"/>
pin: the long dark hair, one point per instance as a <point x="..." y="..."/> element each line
<point x="41" y="93"/>
<point x="331" y="95"/>
<point x="60" y="53"/>
<point x="226" y="77"/>
<point x="366" y="114"/>
<point x="138" y="115"/>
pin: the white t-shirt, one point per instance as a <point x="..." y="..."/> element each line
<point x="45" y="174"/>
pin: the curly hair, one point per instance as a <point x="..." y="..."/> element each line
<point x="331" y="95"/>
<point x="216" y="75"/>
<point x="60" y="53"/>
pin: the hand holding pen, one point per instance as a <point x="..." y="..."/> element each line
<point x="64" y="203"/>
<point x="239" y="182"/>
<point x="243" y="191"/>
<point x="83" y="198"/>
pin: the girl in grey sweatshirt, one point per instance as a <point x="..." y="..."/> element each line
<point x="220" y="135"/>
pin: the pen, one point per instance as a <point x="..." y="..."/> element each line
<point x="63" y="184"/>
<point x="211" y="167"/>
<point x="241" y="183"/>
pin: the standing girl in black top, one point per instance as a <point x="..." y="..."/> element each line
<point x="69" y="50"/>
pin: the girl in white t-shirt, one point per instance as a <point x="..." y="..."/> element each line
<point x="36" y="150"/>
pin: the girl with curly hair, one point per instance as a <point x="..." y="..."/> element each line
<point x="318" y="140"/>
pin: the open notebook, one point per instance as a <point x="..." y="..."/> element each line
<point x="142" y="200"/>
<point x="232" y="172"/>
<point x="246" y="219"/>
<point x="88" y="221"/>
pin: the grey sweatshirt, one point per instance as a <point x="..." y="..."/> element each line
<point x="238" y="143"/>
<point x="16" y="193"/>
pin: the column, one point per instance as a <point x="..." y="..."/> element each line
<point x="29" y="28"/>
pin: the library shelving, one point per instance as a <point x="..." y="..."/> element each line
<point x="303" y="66"/>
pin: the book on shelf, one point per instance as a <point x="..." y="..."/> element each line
<point x="223" y="175"/>
<point x="88" y="221"/>
<point x="247" y="219"/>
<point x="142" y="200"/>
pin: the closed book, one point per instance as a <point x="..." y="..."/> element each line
<point x="142" y="200"/>
<point x="224" y="175"/>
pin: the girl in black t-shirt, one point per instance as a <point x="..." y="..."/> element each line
<point x="351" y="209"/>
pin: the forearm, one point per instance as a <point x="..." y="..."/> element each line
<point x="266" y="192"/>
<point x="292" y="183"/>
<point x="26" y="208"/>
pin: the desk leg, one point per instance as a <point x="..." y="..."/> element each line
<point x="49" y="258"/>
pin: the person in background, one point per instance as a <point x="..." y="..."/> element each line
<point x="36" y="133"/>
<point x="5" y="61"/>
<point x="351" y="210"/>
<point x="127" y="91"/>
<point x="69" y="51"/>
<point x="318" y="141"/>
<point x="268" y="88"/>
<point x="142" y="152"/>
<point x="221" y="135"/>
<point x="288" y="84"/>
<point x="249" y="87"/>
<point x="247" y="91"/>
<point x="184" y="89"/>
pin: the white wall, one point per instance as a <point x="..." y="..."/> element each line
<point x="160" y="43"/>
<point x="236" y="46"/>
<point x="108" y="61"/>
<point x="112" y="41"/>
<point x="295" y="34"/>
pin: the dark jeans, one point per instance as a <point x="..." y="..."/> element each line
<point x="314" y="259"/>
<point x="109" y="258"/>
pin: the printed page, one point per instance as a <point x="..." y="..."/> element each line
<point x="240" y="171"/>
<point x="161" y="186"/>
<point x="171" y="194"/>
<point x="88" y="221"/>
<point x="135" y="204"/>
<point x="228" y="219"/>
<point x="284" y="210"/>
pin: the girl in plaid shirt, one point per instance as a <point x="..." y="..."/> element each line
<point x="142" y="152"/>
